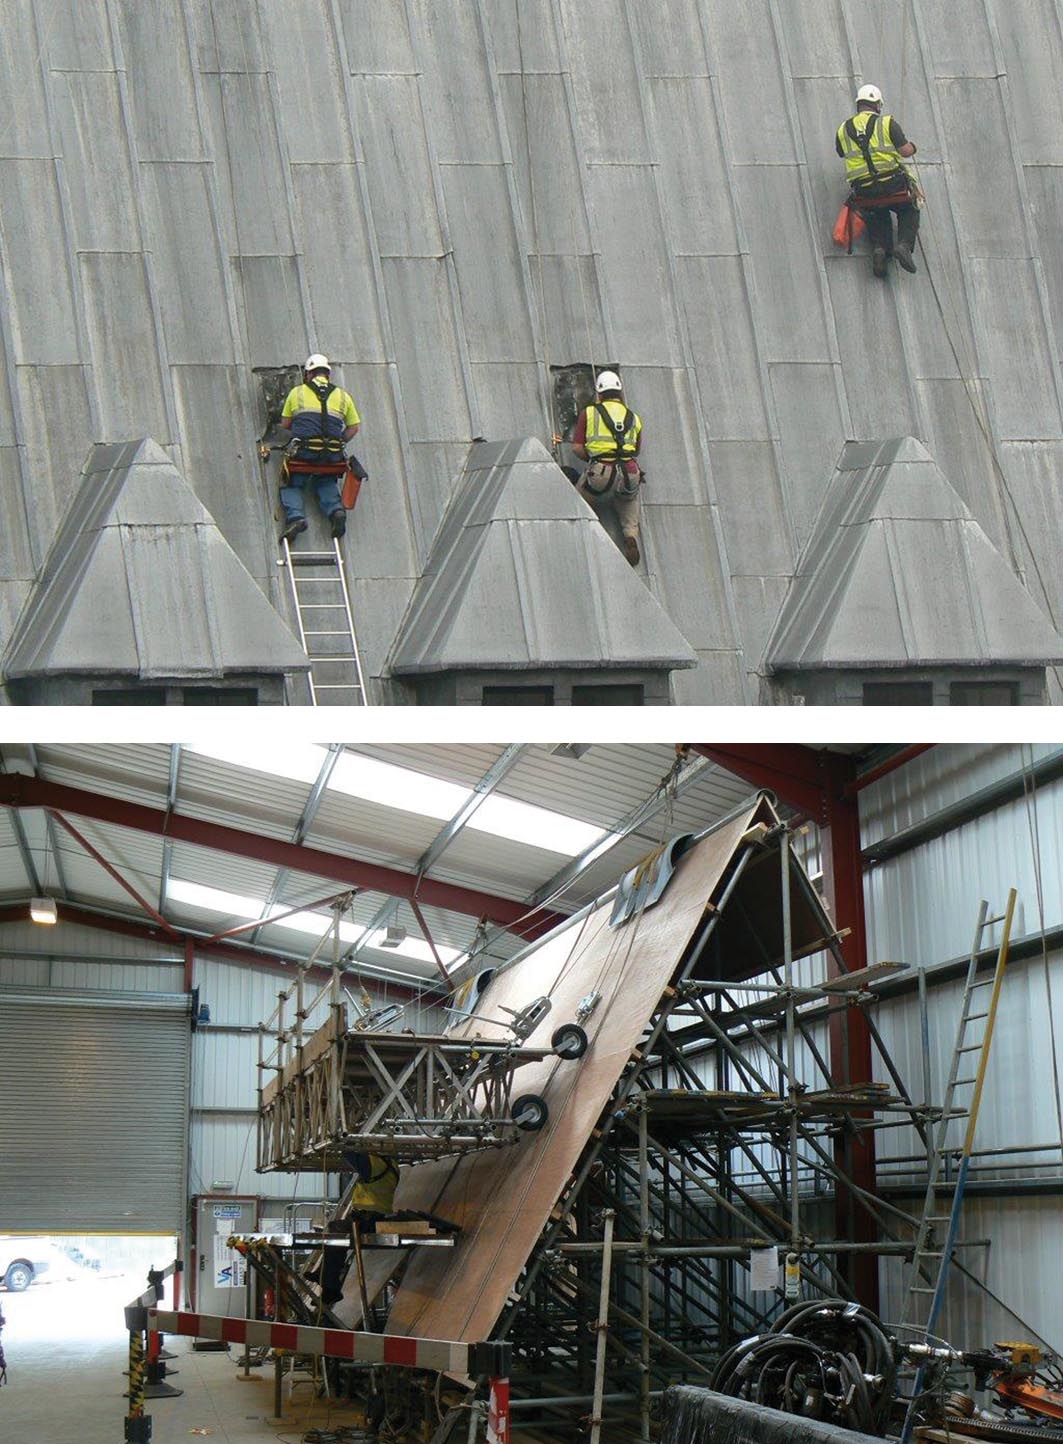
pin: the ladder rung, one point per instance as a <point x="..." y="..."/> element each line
<point x="336" y="687"/>
<point x="964" y="1080"/>
<point x="984" y="983"/>
<point x="319" y="606"/>
<point x="973" y="1017"/>
<point x="998" y="919"/>
<point x="971" y="1048"/>
<point x="920" y="1289"/>
<point x="301" y="558"/>
<point x="325" y="634"/>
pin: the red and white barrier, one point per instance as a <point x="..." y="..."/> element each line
<point x="498" y="1412"/>
<point x="435" y="1354"/>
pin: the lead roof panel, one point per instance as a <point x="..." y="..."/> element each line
<point x="684" y="180"/>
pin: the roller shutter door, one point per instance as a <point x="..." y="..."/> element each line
<point x="94" y="1121"/>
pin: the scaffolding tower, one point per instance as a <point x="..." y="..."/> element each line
<point x="731" y="1133"/>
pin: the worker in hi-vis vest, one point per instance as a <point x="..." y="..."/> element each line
<point x="608" y="436"/>
<point x="874" y="149"/>
<point x="322" y="419"/>
<point x="378" y="1177"/>
<point x="372" y="1198"/>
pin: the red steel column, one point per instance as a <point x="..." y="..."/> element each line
<point x="850" y="1039"/>
<point x="821" y="786"/>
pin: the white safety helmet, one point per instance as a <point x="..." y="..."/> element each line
<point x="316" y="362"/>
<point x="607" y="381"/>
<point x="869" y="95"/>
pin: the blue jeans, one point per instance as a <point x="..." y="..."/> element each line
<point x="293" y="497"/>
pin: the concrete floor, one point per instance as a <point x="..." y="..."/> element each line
<point x="66" y="1350"/>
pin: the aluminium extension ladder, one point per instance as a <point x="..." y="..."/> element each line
<point x="323" y="611"/>
<point x="932" y="1257"/>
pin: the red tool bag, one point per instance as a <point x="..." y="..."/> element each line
<point x="352" y="485"/>
<point x="849" y="226"/>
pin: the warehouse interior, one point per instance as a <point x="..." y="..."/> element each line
<point x="439" y="1092"/>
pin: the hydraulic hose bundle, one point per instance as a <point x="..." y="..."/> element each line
<point x="829" y="1360"/>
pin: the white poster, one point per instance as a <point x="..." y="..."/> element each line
<point x="230" y="1270"/>
<point x="764" y="1266"/>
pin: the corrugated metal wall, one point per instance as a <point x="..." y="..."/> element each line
<point x="95" y="1090"/>
<point x="224" y="1052"/>
<point x="922" y="908"/>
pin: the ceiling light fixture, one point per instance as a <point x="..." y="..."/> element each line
<point x="44" y="910"/>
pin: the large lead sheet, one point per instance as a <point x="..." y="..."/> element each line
<point x="502" y="1199"/>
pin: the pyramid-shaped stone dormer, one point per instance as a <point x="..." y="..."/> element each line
<point x="899" y="579"/>
<point x="526" y="599"/>
<point x="140" y="591"/>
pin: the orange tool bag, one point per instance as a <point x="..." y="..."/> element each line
<point x="352" y="482"/>
<point x="849" y="226"/>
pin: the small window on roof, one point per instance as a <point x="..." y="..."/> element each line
<point x="984" y="694"/>
<point x="898" y="694"/>
<point x="221" y="697"/>
<point x="573" y="390"/>
<point x="608" y="694"/>
<point x="518" y="696"/>
<point x="129" y="696"/>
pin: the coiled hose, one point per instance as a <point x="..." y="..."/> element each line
<point x="827" y="1360"/>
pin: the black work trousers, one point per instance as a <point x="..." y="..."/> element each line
<point x="879" y="221"/>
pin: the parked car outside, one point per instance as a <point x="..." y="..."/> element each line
<point x="22" y="1260"/>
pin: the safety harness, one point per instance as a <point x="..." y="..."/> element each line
<point x="332" y="460"/>
<point x="618" y="428"/>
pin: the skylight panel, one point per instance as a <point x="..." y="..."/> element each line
<point x="406" y="790"/>
<point x="398" y="787"/>
<point x="299" y="762"/>
<point x="536" y="826"/>
<point x="230" y="905"/>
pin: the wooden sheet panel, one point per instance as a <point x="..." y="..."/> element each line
<point x="502" y="1199"/>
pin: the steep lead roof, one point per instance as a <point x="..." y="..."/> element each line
<point x="523" y="575"/>
<point x="140" y="581"/>
<point x="898" y="573"/>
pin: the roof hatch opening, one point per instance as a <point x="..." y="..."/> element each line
<point x="274" y="383"/>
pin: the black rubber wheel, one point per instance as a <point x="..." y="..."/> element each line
<point x="569" y="1041"/>
<point x="530" y="1112"/>
<point x="19" y="1277"/>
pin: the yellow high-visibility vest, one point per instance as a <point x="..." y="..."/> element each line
<point x="377" y="1193"/>
<point x="881" y="152"/>
<point x="601" y="441"/>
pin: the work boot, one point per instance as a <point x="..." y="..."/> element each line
<point x="878" y="260"/>
<point x="338" y="521"/>
<point x="903" y="251"/>
<point x="631" y="550"/>
<point x="294" y="527"/>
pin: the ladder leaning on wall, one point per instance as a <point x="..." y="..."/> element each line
<point x="932" y="1257"/>
<point x="325" y="618"/>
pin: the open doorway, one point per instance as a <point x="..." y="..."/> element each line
<point x="69" y="1290"/>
